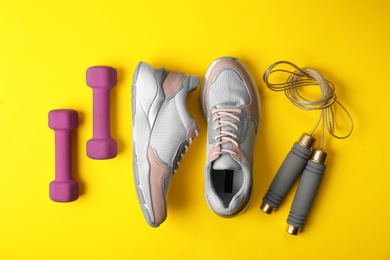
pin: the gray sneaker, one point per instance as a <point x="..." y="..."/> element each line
<point x="162" y="131"/>
<point x="230" y="103"/>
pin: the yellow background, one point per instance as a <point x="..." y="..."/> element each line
<point x="45" y="48"/>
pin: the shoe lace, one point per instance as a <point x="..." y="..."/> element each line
<point x="225" y="136"/>
<point x="185" y="151"/>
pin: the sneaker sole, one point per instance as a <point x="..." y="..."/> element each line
<point x="146" y="103"/>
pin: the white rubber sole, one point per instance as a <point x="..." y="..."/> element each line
<point x="146" y="102"/>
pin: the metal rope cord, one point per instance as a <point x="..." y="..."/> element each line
<point x="307" y="77"/>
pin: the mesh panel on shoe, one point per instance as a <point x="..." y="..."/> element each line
<point x="168" y="132"/>
<point x="180" y="103"/>
<point x="225" y="162"/>
<point x="228" y="87"/>
<point x="248" y="145"/>
<point x="171" y="126"/>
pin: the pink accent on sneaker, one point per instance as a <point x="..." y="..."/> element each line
<point x="158" y="172"/>
<point x="214" y="153"/>
<point x="252" y="108"/>
<point x="237" y="154"/>
<point x="172" y="82"/>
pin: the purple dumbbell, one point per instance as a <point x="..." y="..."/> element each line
<point x="64" y="188"/>
<point x="101" y="79"/>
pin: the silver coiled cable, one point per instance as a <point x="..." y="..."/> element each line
<point x="307" y="77"/>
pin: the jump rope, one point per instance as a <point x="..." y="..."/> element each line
<point x="303" y="157"/>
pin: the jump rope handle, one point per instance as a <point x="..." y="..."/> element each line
<point x="306" y="192"/>
<point x="288" y="172"/>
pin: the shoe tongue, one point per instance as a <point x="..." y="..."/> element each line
<point x="226" y="161"/>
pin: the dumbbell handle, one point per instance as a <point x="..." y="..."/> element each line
<point x="288" y="172"/>
<point x="101" y="113"/>
<point x="306" y="192"/>
<point x="63" y="161"/>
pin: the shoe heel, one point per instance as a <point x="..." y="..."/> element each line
<point x="161" y="74"/>
<point x="194" y="83"/>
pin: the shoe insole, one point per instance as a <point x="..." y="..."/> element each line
<point x="227" y="183"/>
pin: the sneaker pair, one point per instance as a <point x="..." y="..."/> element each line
<point x="163" y="129"/>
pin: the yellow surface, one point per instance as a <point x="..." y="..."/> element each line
<point x="45" y="48"/>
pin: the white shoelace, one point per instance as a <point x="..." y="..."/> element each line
<point x="226" y="136"/>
